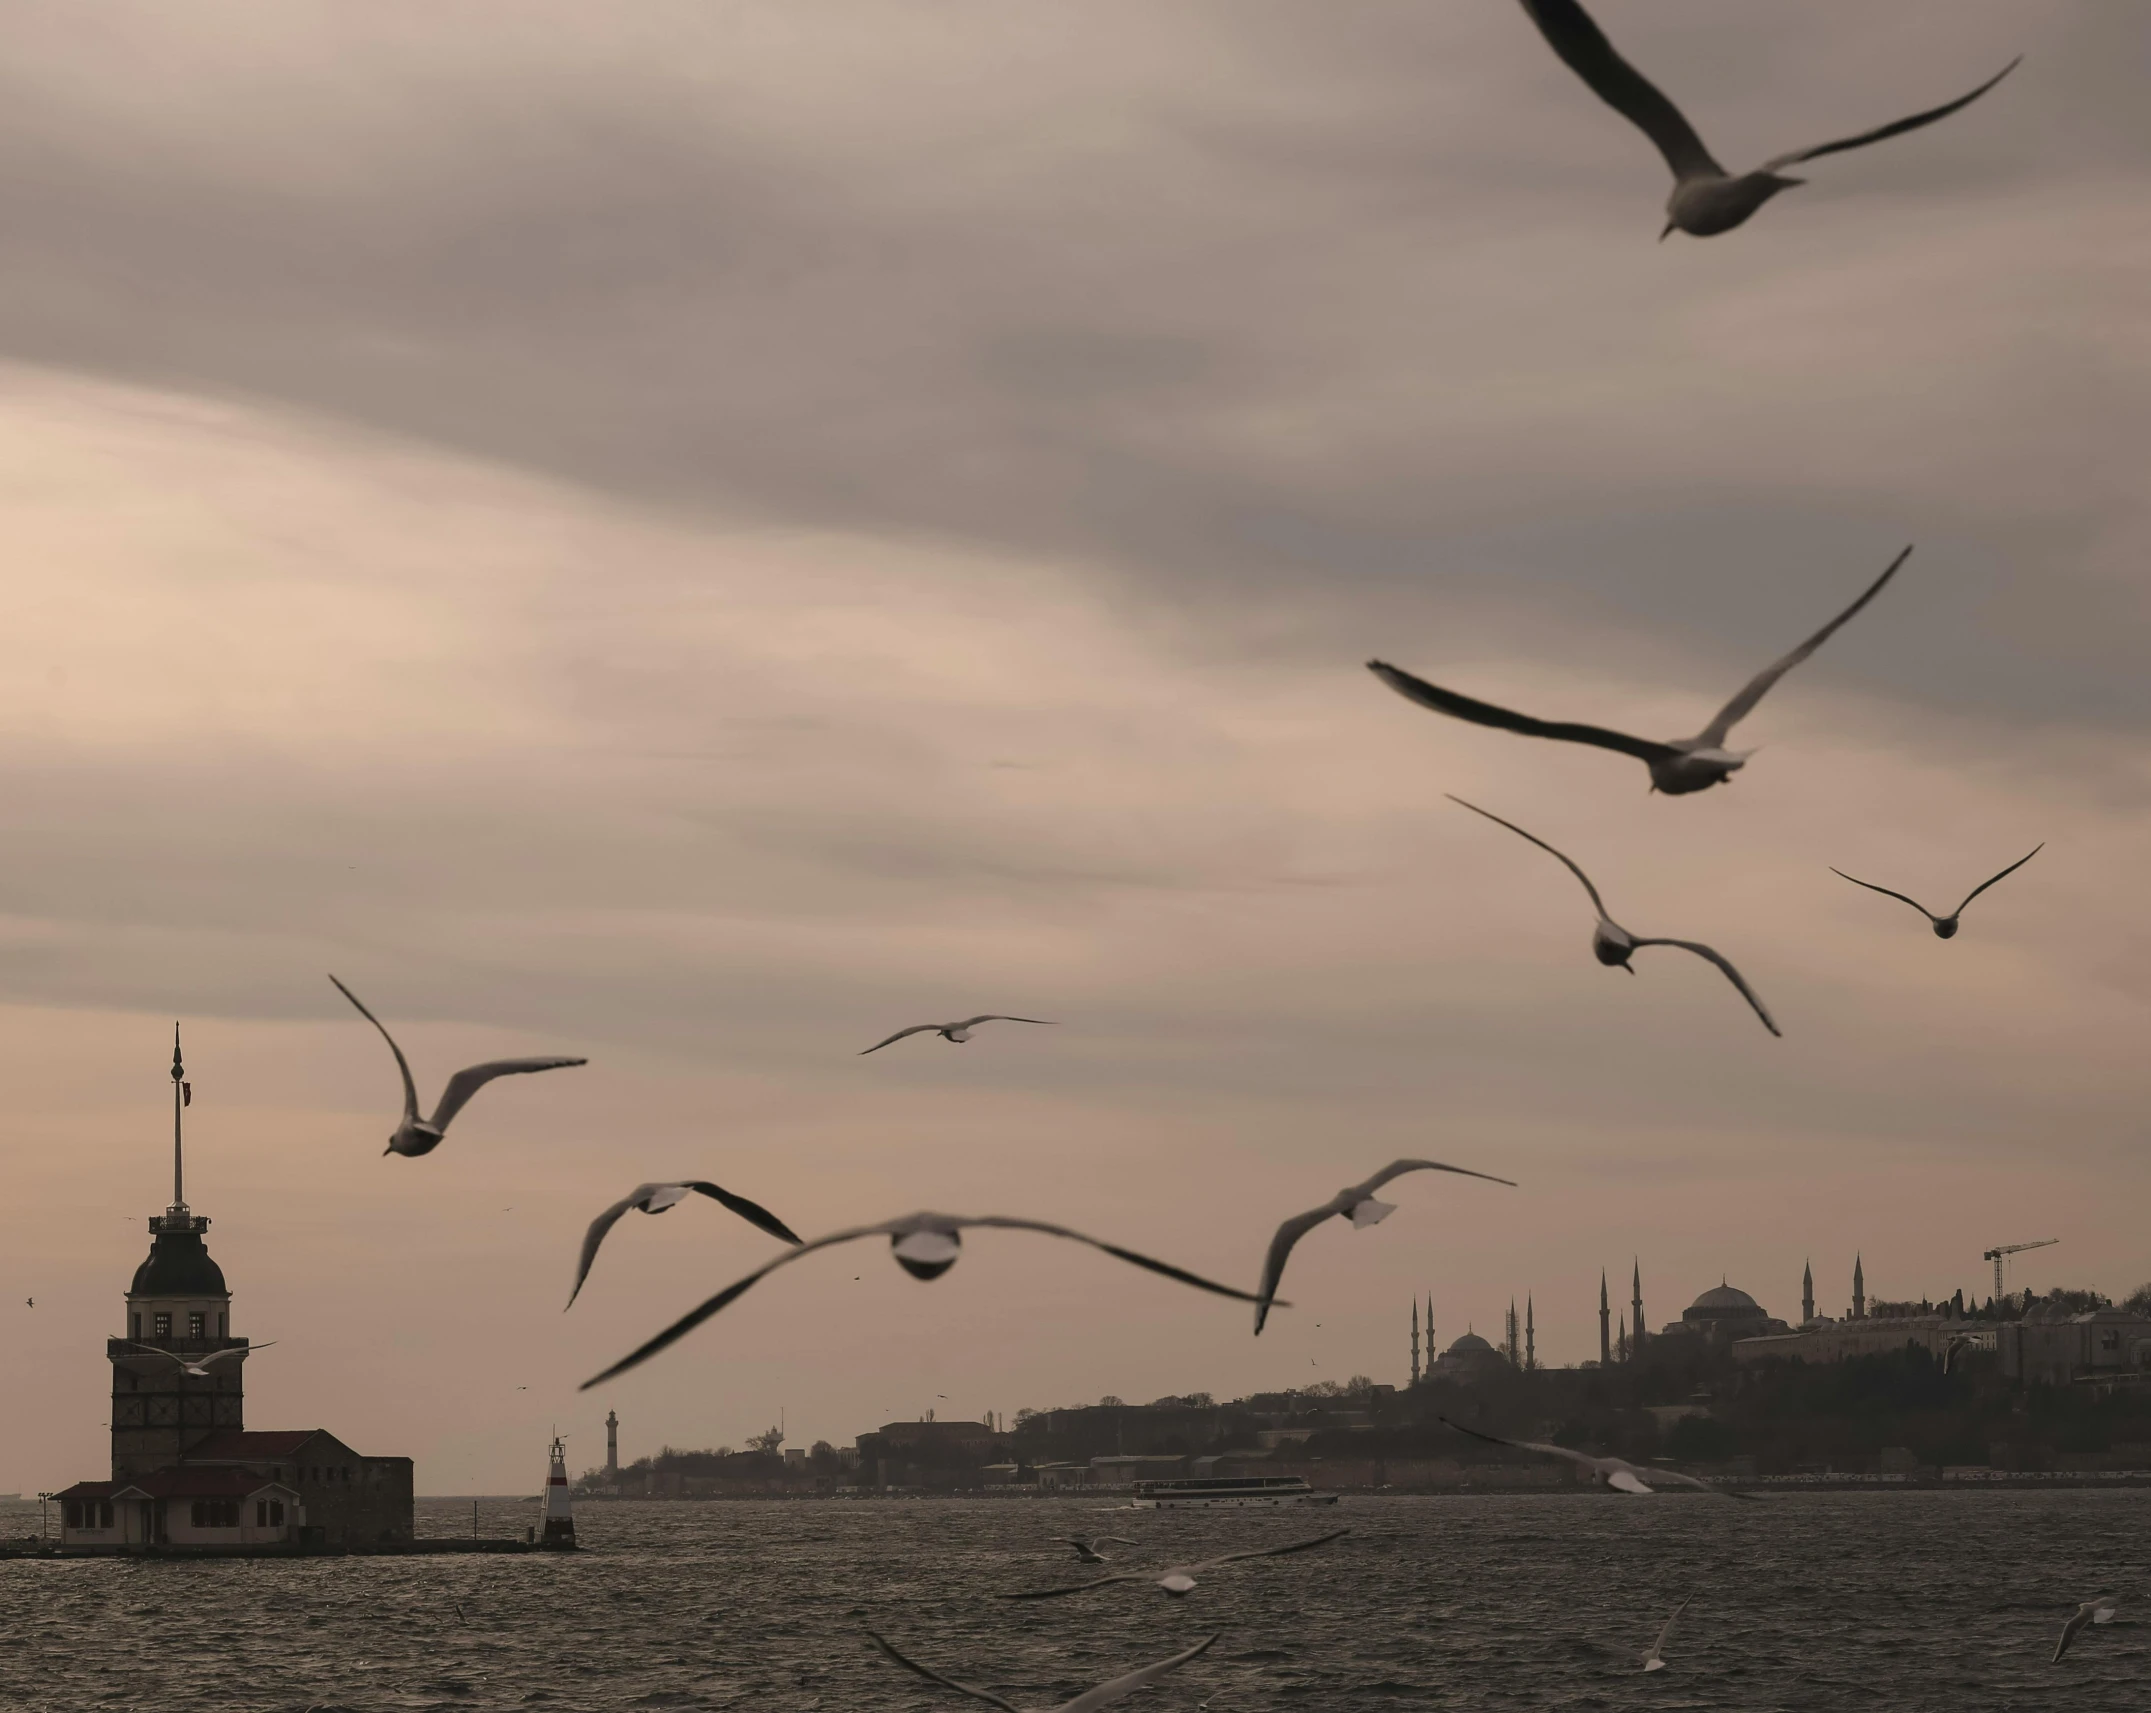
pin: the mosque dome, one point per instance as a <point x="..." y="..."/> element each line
<point x="1471" y="1344"/>
<point x="1725" y="1302"/>
<point x="178" y="1266"/>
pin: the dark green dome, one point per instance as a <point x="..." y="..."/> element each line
<point x="178" y="1266"/>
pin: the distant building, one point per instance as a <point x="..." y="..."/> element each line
<point x="1723" y="1314"/>
<point x="185" y="1472"/>
<point x="2055" y="1350"/>
<point x="1841" y="1340"/>
<point x="1466" y="1362"/>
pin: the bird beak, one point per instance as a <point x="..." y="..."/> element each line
<point x="1672" y="226"/>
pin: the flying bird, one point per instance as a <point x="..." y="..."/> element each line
<point x="957" y="1032"/>
<point x="1678" y="766"/>
<point x="1949" y="1352"/>
<point x="202" y="1368"/>
<point x="1359" y="1204"/>
<point x="1086" y="1546"/>
<point x="1180" y="1579"/>
<point x="1104" y="1695"/>
<point x="926" y="1246"/>
<point x="1706" y="199"/>
<point x="417" y="1135"/>
<point x="656" y="1198"/>
<point x="1614" y="1472"/>
<point x="1614" y="944"/>
<point x="2096" y="1611"/>
<point x="1945" y="927"/>
<point x="1655" y="1660"/>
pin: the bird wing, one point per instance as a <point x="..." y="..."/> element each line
<point x="1078" y="1587"/>
<point x="1627" y="1481"/>
<point x="1107" y="1693"/>
<point x="945" y="1682"/>
<point x="915" y="1029"/>
<point x="596" y="1235"/>
<point x="468" y="1081"/>
<point x="1731" y="974"/>
<point x="1899" y="896"/>
<point x="152" y="1350"/>
<point x="1522" y="1444"/>
<point x="1598" y="903"/>
<point x="1114" y="1249"/>
<point x="1752" y="692"/>
<point x="1658" y="1647"/>
<point x="1699" y="1484"/>
<point x="410" y="1089"/>
<point x="1486" y="714"/>
<point x="236" y="1350"/>
<point x="1002" y="1017"/>
<point x="2068" y="1632"/>
<point x="1583" y="48"/>
<point x="680" y="1328"/>
<point x="1267" y="1551"/>
<point x="1397" y="1169"/>
<point x="1896" y="127"/>
<point x="752" y="1212"/>
<point x="2011" y="869"/>
<point x="1288" y="1234"/>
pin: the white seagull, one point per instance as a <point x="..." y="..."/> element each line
<point x="1706" y="199"/>
<point x="656" y="1198"/>
<point x="417" y="1135"/>
<point x="204" y="1367"/>
<point x="1678" y="766"/>
<point x="1359" y="1204"/>
<point x="1613" y="944"/>
<point x="1655" y="1660"/>
<point x="1616" y="1473"/>
<point x="1104" y="1695"/>
<point x="926" y="1246"/>
<point x="959" y="1032"/>
<point x="1945" y="927"/>
<point x="1086" y="1546"/>
<point x="2096" y="1611"/>
<point x="1179" y="1580"/>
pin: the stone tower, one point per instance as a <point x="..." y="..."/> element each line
<point x="1807" y="1293"/>
<point x="177" y="1307"/>
<point x="1605" y="1326"/>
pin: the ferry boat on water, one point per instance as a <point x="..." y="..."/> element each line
<point x="1227" y="1490"/>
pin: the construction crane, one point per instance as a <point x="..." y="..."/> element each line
<point x="1998" y="1254"/>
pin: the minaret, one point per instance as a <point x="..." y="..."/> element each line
<point x="178" y="1303"/>
<point x="1859" y="1291"/>
<point x="1620" y="1348"/>
<point x="1635" y="1343"/>
<point x="1605" y="1325"/>
<point x="1430" y="1335"/>
<point x="1807" y="1293"/>
<point x="1415" y="1341"/>
<point x="1531" y="1348"/>
<point x="612" y="1442"/>
<point x="1509" y="1340"/>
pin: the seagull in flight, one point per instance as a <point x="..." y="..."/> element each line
<point x="203" y="1368"/>
<point x="926" y="1246"/>
<point x="1706" y="199"/>
<point x="1679" y="765"/>
<point x="2095" y="1611"/>
<point x="959" y="1032"/>
<point x="1086" y="1546"/>
<point x="656" y="1198"/>
<point x="1655" y="1660"/>
<point x="1359" y="1205"/>
<point x="1180" y="1579"/>
<point x="417" y="1135"/>
<point x="1614" y="944"/>
<point x="1945" y="927"/>
<point x="1104" y="1695"/>
<point x="1614" y="1472"/>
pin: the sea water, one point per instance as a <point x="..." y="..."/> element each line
<point x="1905" y="1602"/>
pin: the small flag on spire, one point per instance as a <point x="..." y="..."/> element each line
<point x="186" y="1093"/>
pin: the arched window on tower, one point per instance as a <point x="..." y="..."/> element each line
<point x="161" y="1325"/>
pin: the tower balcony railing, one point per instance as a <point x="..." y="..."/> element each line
<point x="177" y="1343"/>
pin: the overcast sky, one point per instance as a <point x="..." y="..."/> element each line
<point x="701" y="534"/>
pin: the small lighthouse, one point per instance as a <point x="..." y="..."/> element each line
<point x="559" y="1531"/>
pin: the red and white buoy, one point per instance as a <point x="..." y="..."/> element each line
<point x="559" y="1530"/>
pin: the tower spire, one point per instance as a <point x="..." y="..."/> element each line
<point x="1605" y="1331"/>
<point x="180" y="1096"/>
<point x="1415" y="1341"/>
<point x="1531" y="1346"/>
<point x="1635" y="1343"/>
<point x="1807" y="1293"/>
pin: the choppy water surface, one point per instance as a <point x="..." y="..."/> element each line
<point x="1905" y="1602"/>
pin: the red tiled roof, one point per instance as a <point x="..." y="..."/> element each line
<point x="89" y="1490"/>
<point x="247" y="1447"/>
<point x="200" y="1484"/>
